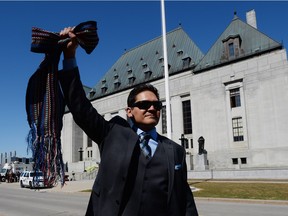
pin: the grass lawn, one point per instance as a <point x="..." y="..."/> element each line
<point x="241" y="190"/>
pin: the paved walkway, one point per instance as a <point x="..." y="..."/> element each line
<point x="73" y="186"/>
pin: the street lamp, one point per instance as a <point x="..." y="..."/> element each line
<point x="184" y="141"/>
<point x="201" y="142"/>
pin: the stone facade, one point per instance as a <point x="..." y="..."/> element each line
<point x="240" y="109"/>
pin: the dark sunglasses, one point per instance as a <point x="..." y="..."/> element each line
<point x="147" y="104"/>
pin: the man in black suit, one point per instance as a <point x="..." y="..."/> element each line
<point x="129" y="181"/>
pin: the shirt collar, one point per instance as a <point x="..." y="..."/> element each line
<point x="152" y="132"/>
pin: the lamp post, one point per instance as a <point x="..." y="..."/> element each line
<point x="201" y="142"/>
<point x="184" y="141"/>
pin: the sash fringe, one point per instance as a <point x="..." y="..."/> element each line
<point x="45" y="103"/>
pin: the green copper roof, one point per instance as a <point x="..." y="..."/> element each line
<point x="145" y="63"/>
<point x="251" y="42"/>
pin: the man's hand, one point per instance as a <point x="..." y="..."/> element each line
<point x="70" y="50"/>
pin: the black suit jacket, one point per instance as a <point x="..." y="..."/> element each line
<point x="117" y="141"/>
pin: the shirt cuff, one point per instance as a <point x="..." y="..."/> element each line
<point x="69" y="64"/>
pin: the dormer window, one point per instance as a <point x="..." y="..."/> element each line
<point x="161" y="59"/>
<point x="104" y="88"/>
<point x="168" y="67"/>
<point x="92" y="93"/>
<point x="232" y="47"/>
<point x="180" y="52"/>
<point x="116" y="85"/>
<point x="144" y="65"/>
<point x="186" y="61"/>
<point x="103" y="81"/>
<point x="131" y="80"/>
<point x="131" y="77"/>
<point x="147" y="71"/>
<point x="117" y="81"/>
<point x="147" y="74"/>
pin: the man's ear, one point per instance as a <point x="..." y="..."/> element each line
<point x="129" y="112"/>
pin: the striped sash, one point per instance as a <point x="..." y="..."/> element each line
<point x="44" y="100"/>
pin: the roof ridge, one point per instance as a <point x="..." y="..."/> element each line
<point x="154" y="39"/>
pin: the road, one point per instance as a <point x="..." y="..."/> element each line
<point x="15" y="201"/>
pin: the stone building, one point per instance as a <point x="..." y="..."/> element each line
<point x="235" y="97"/>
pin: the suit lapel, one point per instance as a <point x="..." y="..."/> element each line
<point x="131" y="140"/>
<point x="169" y="152"/>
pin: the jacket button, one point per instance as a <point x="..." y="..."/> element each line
<point x="117" y="202"/>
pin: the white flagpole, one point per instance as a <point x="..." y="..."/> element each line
<point x="168" y="108"/>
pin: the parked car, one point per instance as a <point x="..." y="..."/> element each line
<point x="31" y="179"/>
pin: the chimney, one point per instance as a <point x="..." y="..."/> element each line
<point x="251" y="18"/>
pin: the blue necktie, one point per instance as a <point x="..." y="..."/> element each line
<point x="144" y="139"/>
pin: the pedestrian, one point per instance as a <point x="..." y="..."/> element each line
<point x="131" y="181"/>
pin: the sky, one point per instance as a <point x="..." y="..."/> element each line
<point x="122" y="25"/>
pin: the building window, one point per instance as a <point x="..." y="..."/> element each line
<point x="117" y="81"/>
<point x="180" y="52"/>
<point x="104" y="86"/>
<point x="116" y="85"/>
<point x="91" y="153"/>
<point x="131" y="77"/>
<point x="191" y="141"/>
<point x="235" y="100"/>
<point x="235" y="161"/>
<point x="88" y="154"/>
<point x="237" y="126"/>
<point x="243" y="160"/>
<point x="131" y="80"/>
<point x="89" y="142"/>
<point x="164" y="120"/>
<point x="231" y="49"/>
<point x="92" y="93"/>
<point x="187" y="119"/>
<point x="147" y="74"/>
<point x="163" y="68"/>
<point x="144" y="65"/>
<point x="186" y="62"/>
<point x="103" y="90"/>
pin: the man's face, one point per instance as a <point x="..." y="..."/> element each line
<point x="145" y="118"/>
